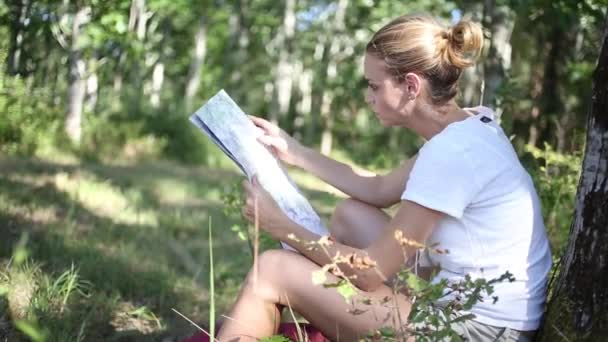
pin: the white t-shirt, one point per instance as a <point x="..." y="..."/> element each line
<point x="493" y="222"/>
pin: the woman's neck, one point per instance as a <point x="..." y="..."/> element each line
<point x="431" y="120"/>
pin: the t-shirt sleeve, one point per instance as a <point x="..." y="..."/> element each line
<point x="442" y="179"/>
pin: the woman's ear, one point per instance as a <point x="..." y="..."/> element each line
<point x="413" y="85"/>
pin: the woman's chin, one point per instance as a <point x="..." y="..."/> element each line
<point x="385" y="122"/>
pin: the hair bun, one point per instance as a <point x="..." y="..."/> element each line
<point x="464" y="44"/>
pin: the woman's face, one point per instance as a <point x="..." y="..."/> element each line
<point x="385" y="95"/>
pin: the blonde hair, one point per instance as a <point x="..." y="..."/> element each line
<point x="420" y="44"/>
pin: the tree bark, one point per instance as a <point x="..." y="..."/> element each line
<point x="92" y="87"/>
<point x="551" y="103"/>
<point x="472" y="78"/>
<point x="138" y="18"/>
<point x="578" y="308"/>
<point x="158" y="76"/>
<point x="321" y="58"/>
<point x="305" y="104"/>
<point x="284" y="71"/>
<point x="328" y="94"/>
<point x="499" y="19"/>
<point x="76" y="82"/>
<point x="198" y="58"/>
<point x="17" y="36"/>
<point x="235" y="52"/>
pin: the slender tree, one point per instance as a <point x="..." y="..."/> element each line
<point x="76" y="77"/>
<point x="578" y="308"/>
<point x="193" y="79"/>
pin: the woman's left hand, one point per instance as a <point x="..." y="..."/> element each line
<point x="259" y="202"/>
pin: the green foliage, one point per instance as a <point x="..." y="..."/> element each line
<point x="27" y="122"/>
<point x="556" y="177"/>
<point x="436" y="306"/>
<point x="110" y="250"/>
<point x="106" y="138"/>
<point x="183" y="141"/>
<point x="68" y="284"/>
<point x="32" y="331"/>
<point x="87" y="223"/>
<point x="432" y="321"/>
<point x="233" y="198"/>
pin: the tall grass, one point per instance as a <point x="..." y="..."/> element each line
<point x="211" y="285"/>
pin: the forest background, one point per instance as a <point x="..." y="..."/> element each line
<point x="107" y="191"/>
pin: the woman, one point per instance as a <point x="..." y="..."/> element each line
<point x="465" y="190"/>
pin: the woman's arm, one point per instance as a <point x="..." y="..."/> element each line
<point x="388" y="254"/>
<point x="378" y="190"/>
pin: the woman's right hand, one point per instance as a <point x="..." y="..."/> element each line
<point x="280" y="143"/>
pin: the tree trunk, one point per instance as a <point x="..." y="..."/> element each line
<point x="500" y="21"/>
<point x="17" y="35"/>
<point x="158" y="76"/>
<point x="138" y="19"/>
<point x="198" y="58"/>
<point x="578" y="308"/>
<point x="472" y="78"/>
<point x="321" y="57"/>
<point x="305" y="105"/>
<point x="236" y="51"/>
<point x="328" y="94"/>
<point x="284" y="71"/>
<point x="76" y="83"/>
<point x="92" y="86"/>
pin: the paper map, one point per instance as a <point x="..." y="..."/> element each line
<point x="230" y="129"/>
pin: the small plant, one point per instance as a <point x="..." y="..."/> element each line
<point x="67" y="284"/>
<point x="143" y="312"/>
<point x="233" y="199"/>
<point x="428" y="320"/>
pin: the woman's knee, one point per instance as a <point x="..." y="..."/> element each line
<point x="342" y="217"/>
<point x="267" y="275"/>
<point x="356" y="223"/>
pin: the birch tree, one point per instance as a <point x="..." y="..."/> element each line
<point x="76" y="77"/>
<point x="578" y="309"/>
<point x="284" y="70"/>
<point x="193" y="79"/>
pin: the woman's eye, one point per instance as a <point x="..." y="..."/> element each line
<point x="372" y="86"/>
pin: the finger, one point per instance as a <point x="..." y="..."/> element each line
<point x="272" y="141"/>
<point x="265" y="124"/>
<point x="247" y="187"/>
<point x="259" y="132"/>
<point x="246" y="214"/>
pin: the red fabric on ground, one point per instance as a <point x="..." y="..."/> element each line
<point x="287" y="329"/>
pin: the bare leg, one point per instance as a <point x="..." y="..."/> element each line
<point x="285" y="278"/>
<point x="257" y="310"/>
<point x="357" y="224"/>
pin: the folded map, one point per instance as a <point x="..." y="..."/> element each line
<point x="232" y="131"/>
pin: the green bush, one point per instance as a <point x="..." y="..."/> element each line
<point x="27" y="122"/>
<point x="556" y="177"/>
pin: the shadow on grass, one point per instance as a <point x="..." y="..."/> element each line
<point x="130" y="263"/>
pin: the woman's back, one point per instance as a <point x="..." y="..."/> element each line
<point x="494" y="222"/>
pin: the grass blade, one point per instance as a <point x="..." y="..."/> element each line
<point x="211" y="286"/>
